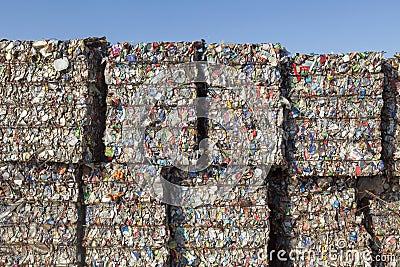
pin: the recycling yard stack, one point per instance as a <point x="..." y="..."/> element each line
<point x="97" y="144"/>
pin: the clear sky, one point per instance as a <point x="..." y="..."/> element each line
<point x="301" y="26"/>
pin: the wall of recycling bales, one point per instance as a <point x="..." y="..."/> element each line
<point x="83" y="141"/>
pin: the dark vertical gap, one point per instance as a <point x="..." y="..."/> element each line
<point x="170" y="239"/>
<point x="277" y="194"/>
<point x="363" y="203"/>
<point x="202" y="122"/>
<point x="102" y="109"/>
<point x="388" y="114"/>
<point x="98" y="113"/>
<point x="276" y="180"/>
<point x="201" y="93"/>
<point x="81" y="209"/>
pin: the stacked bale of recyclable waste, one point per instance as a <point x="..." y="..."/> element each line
<point x="123" y="224"/>
<point x="259" y="66"/>
<point x="51" y="93"/>
<point x="227" y="233"/>
<point x="38" y="214"/>
<point x="334" y="123"/>
<point x="317" y="221"/>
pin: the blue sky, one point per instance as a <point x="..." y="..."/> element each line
<point x="302" y="26"/>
